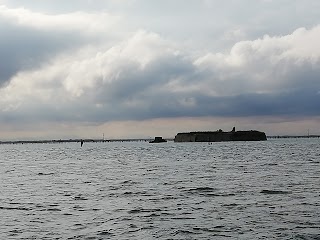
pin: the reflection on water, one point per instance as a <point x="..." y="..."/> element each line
<point x="235" y="190"/>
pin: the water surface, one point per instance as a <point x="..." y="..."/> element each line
<point x="231" y="190"/>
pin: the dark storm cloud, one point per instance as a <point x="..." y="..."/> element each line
<point x="24" y="48"/>
<point x="299" y="103"/>
<point x="30" y="40"/>
<point x="294" y="104"/>
<point x="146" y="82"/>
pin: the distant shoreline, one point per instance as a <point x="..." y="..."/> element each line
<point x="124" y="140"/>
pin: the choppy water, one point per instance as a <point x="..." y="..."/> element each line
<point x="233" y="190"/>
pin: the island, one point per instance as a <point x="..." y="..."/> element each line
<point x="221" y="136"/>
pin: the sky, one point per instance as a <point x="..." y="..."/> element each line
<point x="145" y="68"/>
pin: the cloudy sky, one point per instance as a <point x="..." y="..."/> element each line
<point x="140" y="68"/>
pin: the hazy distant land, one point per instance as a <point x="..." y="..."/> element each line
<point x="126" y="140"/>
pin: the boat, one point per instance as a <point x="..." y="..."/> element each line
<point x="158" y="140"/>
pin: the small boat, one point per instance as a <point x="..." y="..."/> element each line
<point x="158" y="140"/>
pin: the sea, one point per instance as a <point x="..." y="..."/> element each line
<point x="138" y="190"/>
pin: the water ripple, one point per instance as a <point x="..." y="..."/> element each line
<point x="245" y="190"/>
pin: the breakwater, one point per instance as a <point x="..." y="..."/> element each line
<point x="298" y="136"/>
<point x="71" y="141"/>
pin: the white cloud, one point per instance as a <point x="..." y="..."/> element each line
<point x="264" y="64"/>
<point x="261" y="66"/>
<point x="96" y="22"/>
<point x="85" y="70"/>
<point x="144" y="74"/>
